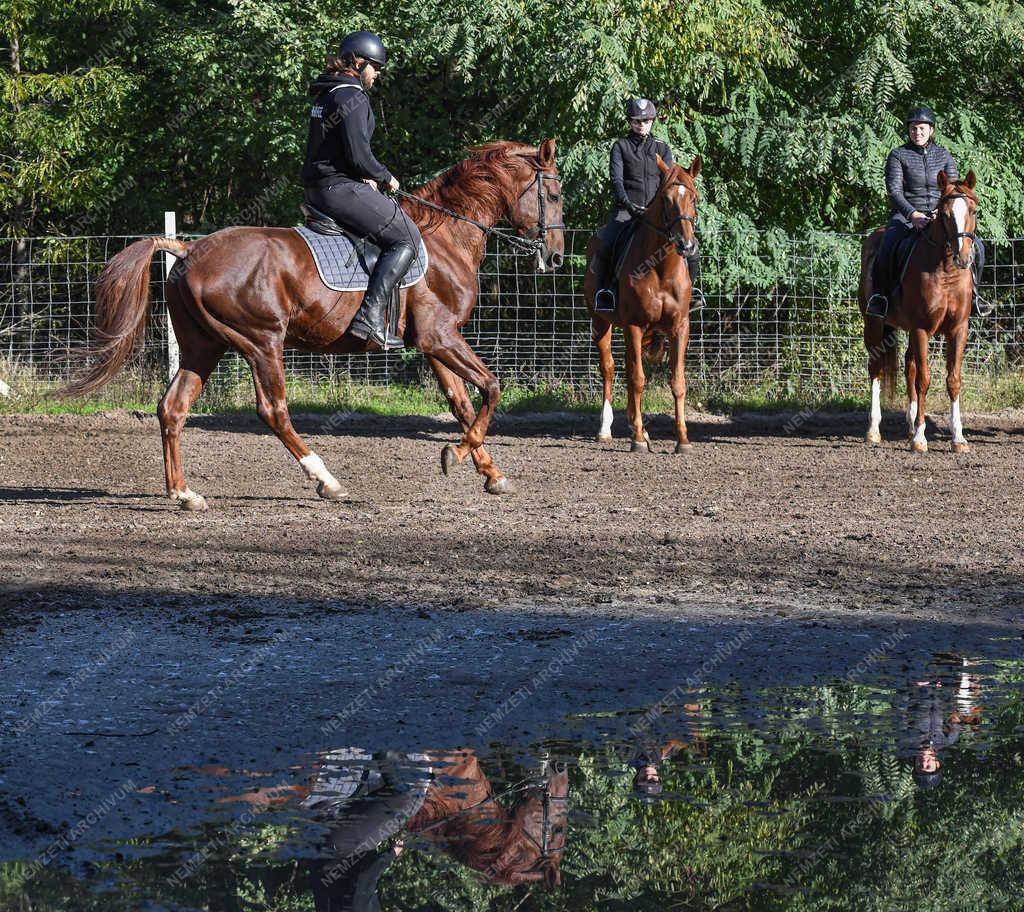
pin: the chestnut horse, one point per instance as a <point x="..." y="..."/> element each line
<point x="256" y="290"/>
<point x="653" y="296"/>
<point x="936" y="298"/>
<point x="521" y="844"/>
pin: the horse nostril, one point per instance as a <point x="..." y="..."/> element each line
<point x="556" y="260"/>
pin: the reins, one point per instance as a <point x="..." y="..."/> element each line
<point x="527" y="245"/>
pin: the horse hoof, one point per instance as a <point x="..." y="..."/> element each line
<point x="683" y="448"/>
<point x="449" y="458"/>
<point x="961" y="447"/>
<point x="919" y="446"/>
<point x="637" y="447"/>
<point x="332" y="491"/>
<point x="873" y="437"/>
<point x="193" y="503"/>
<point x="604" y="438"/>
<point x="498" y="486"/>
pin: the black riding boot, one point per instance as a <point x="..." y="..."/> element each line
<point x="604" y="297"/>
<point x="368" y="323"/>
<point x="697" y="298"/>
<point x="878" y="303"/>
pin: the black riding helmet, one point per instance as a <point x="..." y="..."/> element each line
<point x="921" y="115"/>
<point x="366" y="45"/>
<point x="641" y="109"/>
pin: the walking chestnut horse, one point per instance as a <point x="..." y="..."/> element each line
<point x="936" y="298"/>
<point x="256" y="290"/>
<point x="653" y="296"/>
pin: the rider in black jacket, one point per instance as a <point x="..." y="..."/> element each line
<point x="911" y="181"/>
<point x="341" y="175"/>
<point x="635" y="179"/>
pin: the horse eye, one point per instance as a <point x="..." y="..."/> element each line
<point x="554" y="197"/>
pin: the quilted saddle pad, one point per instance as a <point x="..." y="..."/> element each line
<point x="346" y="266"/>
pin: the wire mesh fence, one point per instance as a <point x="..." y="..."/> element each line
<point x="781" y="317"/>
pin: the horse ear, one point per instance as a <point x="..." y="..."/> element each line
<point x="661" y="164"/>
<point x="547" y="153"/>
<point x="943" y="181"/>
<point x="695" y="165"/>
<point x="970" y="180"/>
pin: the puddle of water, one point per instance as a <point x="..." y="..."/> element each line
<point x="844" y="796"/>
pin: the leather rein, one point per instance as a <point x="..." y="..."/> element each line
<point x="535" y="238"/>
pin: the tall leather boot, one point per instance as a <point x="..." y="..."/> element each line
<point x="605" y="296"/>
<point x="369" y="321"/>
<point x="697" y="298"/>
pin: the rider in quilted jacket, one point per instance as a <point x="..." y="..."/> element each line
<point x="911" y="181"/>
<point x="635" y="179"/>
<point x="341" y="176"/>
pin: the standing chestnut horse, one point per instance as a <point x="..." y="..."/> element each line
<point x="653" y="296"/>
<point x="936" y="297"/>
<point x="256" y="290"/>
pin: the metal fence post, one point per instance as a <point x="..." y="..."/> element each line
<point x="170" y="230"/>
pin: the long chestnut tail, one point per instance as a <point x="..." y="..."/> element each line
<point x="122" y="308"/>
<point x="890" y="360"/>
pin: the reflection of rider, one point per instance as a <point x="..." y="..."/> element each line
<point x="364" y="800"/>
<point x="935" y="715"/>
<point x="341" y="175"/>
<point x="911" y="181"/>
<point x="635" y="179"/>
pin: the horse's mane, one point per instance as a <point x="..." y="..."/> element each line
<point x="482" y="186"/>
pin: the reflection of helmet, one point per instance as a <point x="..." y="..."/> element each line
<point x="366" y="45"/>
<point x="925" y="780"/>
<point x="641" y="109"/>
<point x="921" y="115"/>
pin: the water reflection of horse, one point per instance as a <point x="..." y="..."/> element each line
<point x="257" y="291"/>
<point x="935" y="298"/>
<point x="368" y="803"/>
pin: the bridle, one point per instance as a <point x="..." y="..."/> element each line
<point x="533" y="241"/>
<point x="676" y="237"/>
<point x="952" y="242"/>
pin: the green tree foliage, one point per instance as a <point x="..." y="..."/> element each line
<point x="202" y="106"/>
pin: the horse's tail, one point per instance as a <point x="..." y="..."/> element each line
<point x="655" y="347"/>
<point x="122" y="308"/>
<point x="890" y="360"/>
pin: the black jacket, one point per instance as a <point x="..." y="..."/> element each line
<point x="341" y="125"/>
<point x="634" y="171"/>
<point x="911" y="177"/>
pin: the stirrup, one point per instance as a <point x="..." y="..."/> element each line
<point x="361" y="329"/>
<point x="877" y="306"/>
<point x="604" y="300"/>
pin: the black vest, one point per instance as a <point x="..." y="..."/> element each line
<point x="640" y="173"/>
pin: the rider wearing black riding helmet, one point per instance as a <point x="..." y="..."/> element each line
<point x="341" y="175"/>
<point x="911" y="181"/>
<point x="635" y="179"/>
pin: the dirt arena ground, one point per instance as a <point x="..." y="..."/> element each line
<point x="759" y="519"/>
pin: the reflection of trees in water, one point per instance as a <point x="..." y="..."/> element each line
<point x="752" y="811"/>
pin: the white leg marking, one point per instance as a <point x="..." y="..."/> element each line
<point x="189" y="499"/>
<point x="911" y="416"/>
<point x="919" y="434"/>
<point x="327" y="484"/>
<point x="876" y="408"/>
<point x="956" y="428"/>
<point x="606" y="420"/>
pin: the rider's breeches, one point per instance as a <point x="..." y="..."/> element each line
<point x="896" y="230"/>
<point x="360" y="209"/>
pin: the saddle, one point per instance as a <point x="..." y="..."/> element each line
<point x="901" y="255"/>
<point x="344" y="260"/>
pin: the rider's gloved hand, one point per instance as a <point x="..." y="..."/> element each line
<point x="635" y="210"/>
<point x="393" y="183"/>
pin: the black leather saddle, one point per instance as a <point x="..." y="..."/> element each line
<point x="322" y="223"/>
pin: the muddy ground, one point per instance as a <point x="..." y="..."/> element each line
<point x="756" y="519"/>
<point x="139" y="641"/>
